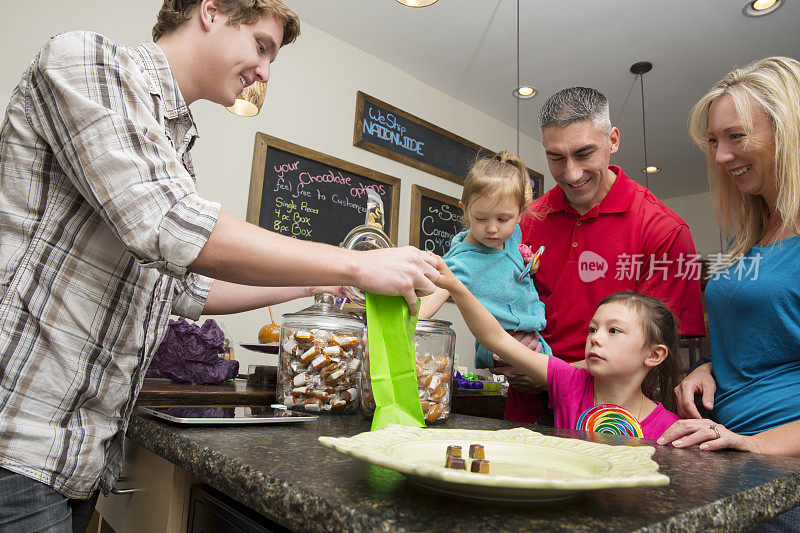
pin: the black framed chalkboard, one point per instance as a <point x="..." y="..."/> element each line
<point x="435" y="219"/>
<point x="312" y="196"/>
<point x="393" y="133"/>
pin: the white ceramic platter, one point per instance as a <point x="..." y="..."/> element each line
<point x="524" y="465"/>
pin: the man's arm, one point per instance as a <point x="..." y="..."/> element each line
<point x="243" y="253"/>
<point x="226" y="298"/>
<point x="134" y="180"/>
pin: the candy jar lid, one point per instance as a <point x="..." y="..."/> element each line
<point x="366" y="237"/>
<point x="324" y="310"/>
<point x="432" y="324"/>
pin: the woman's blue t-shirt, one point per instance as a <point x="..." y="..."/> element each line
<point x="754" y="326"/>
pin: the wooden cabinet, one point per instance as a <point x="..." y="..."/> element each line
<point x="159" y="502"/>
<point x="211" y="511"/>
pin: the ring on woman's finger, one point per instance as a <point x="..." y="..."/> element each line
<point x="713" y="428"/>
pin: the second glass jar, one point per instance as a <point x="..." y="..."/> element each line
<point x="435" y="345"/>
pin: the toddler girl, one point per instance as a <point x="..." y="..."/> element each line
<point x="631" y="350"/>
<point x="486" y="257"/>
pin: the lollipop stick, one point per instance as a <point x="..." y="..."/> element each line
<point x="271" y="320"/>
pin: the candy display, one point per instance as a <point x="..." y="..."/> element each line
<point x="611" y="419"/>
<point x="435" y="347"/>
<point x="480" y="466"/>
<point x="470" y="382"/>
<point x="320" y="359"/>
<point x="322" y="371"/>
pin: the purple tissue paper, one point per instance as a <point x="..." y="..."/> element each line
<point x="190" y="354"/>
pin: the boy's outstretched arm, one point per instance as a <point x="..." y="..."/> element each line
<point x="487" y="329"/>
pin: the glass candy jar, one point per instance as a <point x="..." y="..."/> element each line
<point x="320" y="358"/>
<point x="363" y="238"/>
<point x="435" y="345"/>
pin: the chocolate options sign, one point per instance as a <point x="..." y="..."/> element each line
<point x="301" y="193"/>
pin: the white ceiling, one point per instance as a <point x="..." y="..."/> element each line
<point x="467" y="48"/>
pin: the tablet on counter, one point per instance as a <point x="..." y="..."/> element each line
<point x="212" y="415"/>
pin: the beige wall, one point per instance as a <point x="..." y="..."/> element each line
<point x="697" y="212"/>
<point x="311" y="102"/>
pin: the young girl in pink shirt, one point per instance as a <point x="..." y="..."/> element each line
<point x="631" y="351"/>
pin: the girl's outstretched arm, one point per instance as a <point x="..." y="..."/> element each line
<point x="433" y="302"/>
<point x="488" y="331"/>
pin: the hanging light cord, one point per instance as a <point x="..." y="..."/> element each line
<point x="644" y="134"/>
<point x="517" y="98"/>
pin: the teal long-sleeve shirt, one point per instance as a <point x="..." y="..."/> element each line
<point x="492" y="276"/>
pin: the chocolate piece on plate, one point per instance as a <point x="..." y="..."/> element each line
<point x="455" y="462"/>
<point x="476" y="451"/>
<point x="481" y="466"/>
<point x="454" y="450"/>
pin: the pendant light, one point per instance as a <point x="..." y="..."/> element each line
<point x="249" y="103"/>
<point x="522" y="92"/>
<point x="640" y="69"/>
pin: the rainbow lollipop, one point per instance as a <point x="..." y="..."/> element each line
<point x="611" y="419"/>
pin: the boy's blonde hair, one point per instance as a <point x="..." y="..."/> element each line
<point x="660" y="327"/>
<point x="498" y="177"/>
<point x="175" y="13"/>
<point x="773" y="83"/>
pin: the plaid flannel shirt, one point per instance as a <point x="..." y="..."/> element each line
<point x="99" y="219"/>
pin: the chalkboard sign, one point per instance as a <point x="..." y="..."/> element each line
<point x="435" y="219"/>
<point x="301" y="193"/>
<point x="393" y="133"/>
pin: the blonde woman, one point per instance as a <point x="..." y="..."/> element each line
<point x="748" y="125"/>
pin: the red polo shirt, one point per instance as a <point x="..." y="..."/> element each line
<point x="628" y="242"/>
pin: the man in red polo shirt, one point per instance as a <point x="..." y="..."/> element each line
<point x="603" y="233"/>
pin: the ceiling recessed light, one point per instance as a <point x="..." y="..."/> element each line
<point x="651" y="170"/>
<point x="524" y="92"/>
<point x="759" y="8"/>
<point x="417" y="3"/>
<point x="761" y="5"/>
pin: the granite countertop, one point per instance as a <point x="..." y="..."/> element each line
<point x="282" y="472"/>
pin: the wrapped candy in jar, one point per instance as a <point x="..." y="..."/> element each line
<point x="435" y="345"/>
<point x="320" y="359"/>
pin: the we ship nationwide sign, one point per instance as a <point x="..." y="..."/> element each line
<point x="396" y="134"/>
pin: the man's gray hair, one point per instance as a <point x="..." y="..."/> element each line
<point x="576" y="104"/>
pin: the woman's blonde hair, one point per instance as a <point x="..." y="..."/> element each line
<point x="498" y="177"/>
<point x="773" y="83"/>
<point x="175" y="13"/>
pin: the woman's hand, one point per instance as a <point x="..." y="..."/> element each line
<point x="708" y="434"/>
<point x="699" y="381"/>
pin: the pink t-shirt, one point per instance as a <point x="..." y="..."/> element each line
<point x="572" y="393"/>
